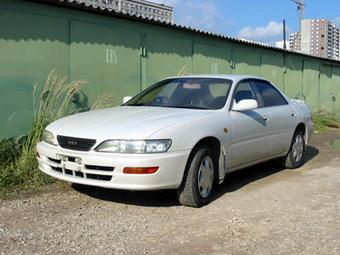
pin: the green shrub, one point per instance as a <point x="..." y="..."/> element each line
<point x="9" y="150"/>
<point x="323" y="121"/>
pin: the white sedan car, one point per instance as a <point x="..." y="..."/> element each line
<point x="183" y="133"/>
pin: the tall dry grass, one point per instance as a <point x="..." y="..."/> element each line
<point x="18" y="165"/>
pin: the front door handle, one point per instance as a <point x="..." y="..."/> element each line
<point x="266" y="119"/>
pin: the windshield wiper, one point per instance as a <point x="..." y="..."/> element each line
<point x="190" y="107"/>
<point x="137" y="104"/>
<point x="173" y="106"/>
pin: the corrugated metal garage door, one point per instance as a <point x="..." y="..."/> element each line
<point x="275" y="75"/>
<point x="107" y="57"/>
<point x="165" y="56"/>
<point x="325" y="101"/>
<point x="311" y="84"/>
<point x="293" y="77"/>
<point x="210" y="59"/>
<point x="246" y="62"/>
<point x="31" y="46"/>
<point x="336" y="91"/>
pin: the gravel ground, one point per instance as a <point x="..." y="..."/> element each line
<point x="260" y="210"/>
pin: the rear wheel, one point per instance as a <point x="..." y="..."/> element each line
<point x="198" y="183"/>
<point x="295" y="156"/>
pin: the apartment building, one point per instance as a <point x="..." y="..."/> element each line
<point x="320" y="37"/>
<point x="295" y="42"/>
<point x="139" y="8"/>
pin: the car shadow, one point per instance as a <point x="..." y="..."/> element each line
<point x="167" y="198"/>
<point x="158" y="198"/>
<point x="241" y="178"/>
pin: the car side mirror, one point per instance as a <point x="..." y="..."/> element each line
<point x="245" y="105"/>
<point x="126" y="99"/>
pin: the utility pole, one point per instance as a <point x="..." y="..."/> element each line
<point x="284" y="34"/>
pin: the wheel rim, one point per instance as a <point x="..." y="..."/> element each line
<point x="205" y="177"/>
<point x="297" y="148"/>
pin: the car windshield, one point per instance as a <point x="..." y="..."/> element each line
<point x="192" y="93"/>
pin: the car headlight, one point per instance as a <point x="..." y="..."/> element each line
<point x="134" y="146"/>
<point x="49" y="138"/>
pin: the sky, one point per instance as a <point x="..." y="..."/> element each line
<point x="259" y="20"/>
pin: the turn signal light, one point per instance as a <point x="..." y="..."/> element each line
<point x="140" y="170"/>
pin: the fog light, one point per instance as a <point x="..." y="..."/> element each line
<point x="140" y="170"/>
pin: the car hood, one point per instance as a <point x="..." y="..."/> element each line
<point x="123" y="122"/>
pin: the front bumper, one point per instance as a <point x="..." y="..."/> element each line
<point x="106" y="169"/>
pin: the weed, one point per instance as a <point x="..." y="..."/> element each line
<point x="323" y="121"/>
<point x="18" y="164"/>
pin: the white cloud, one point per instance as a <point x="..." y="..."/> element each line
<point x="204" y="15"/>
<point x="337" y="21"/>
<point x="270" y="33"/>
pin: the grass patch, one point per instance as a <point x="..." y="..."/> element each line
<point x="323" y="121"/>
<point x="18" y="164"/>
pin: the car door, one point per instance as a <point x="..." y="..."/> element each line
<point x="250" y="129"/>
<point x="282" y="116"/>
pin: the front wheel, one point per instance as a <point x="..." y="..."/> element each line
<point x="295" y="156"/>
<point x="198" y="183"/>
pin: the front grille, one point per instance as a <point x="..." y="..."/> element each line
<point x="73" y="143"/>
<point x="100" y="168"/>
<point x="80" y="174"/>
<point x="58" y="161"/>
<point x="57" y="169"/>
<point x="99" y="177"/>
<point x="68" y="172"/>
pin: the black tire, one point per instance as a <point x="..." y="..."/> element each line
<point x="291" y="161"/>
<point x="189" y="194"/>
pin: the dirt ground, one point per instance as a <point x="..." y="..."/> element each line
<point x="259" y="210"/>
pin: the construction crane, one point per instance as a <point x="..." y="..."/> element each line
<point x="300" y="7"/>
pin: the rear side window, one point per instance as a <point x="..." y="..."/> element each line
<point x="269" y="94"/>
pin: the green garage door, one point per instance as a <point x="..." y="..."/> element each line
<point x="311" y="84"/>
<point x="165" y="56"/>
<point x="246" y="61"/>
<point x="209" y="59"/>
<point x="325" y="99"/>
<point x="272" y="69"/>
<point x="293" y="77"/>
<point x="31" y="46"/>
<point x="108" y="58"/>
<point x="336" y="91"/>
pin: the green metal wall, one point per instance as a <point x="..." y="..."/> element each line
<point x="122" y="57"/>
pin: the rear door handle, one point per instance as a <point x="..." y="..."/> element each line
<point x="266" y="119"/>
<point x="293" y="114"/>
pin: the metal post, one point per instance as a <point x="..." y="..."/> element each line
<point x="284" y="34"/>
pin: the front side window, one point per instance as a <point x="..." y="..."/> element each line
<point x="193" y="93"/>
<point x="245" y="90"/>
<point x="269" y="94"/>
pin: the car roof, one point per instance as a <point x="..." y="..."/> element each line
<point x="233" y="77"/>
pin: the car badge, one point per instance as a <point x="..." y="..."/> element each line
<point x="72" y="142"/>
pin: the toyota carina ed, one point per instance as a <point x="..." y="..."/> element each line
<point x="184" y="133"/>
